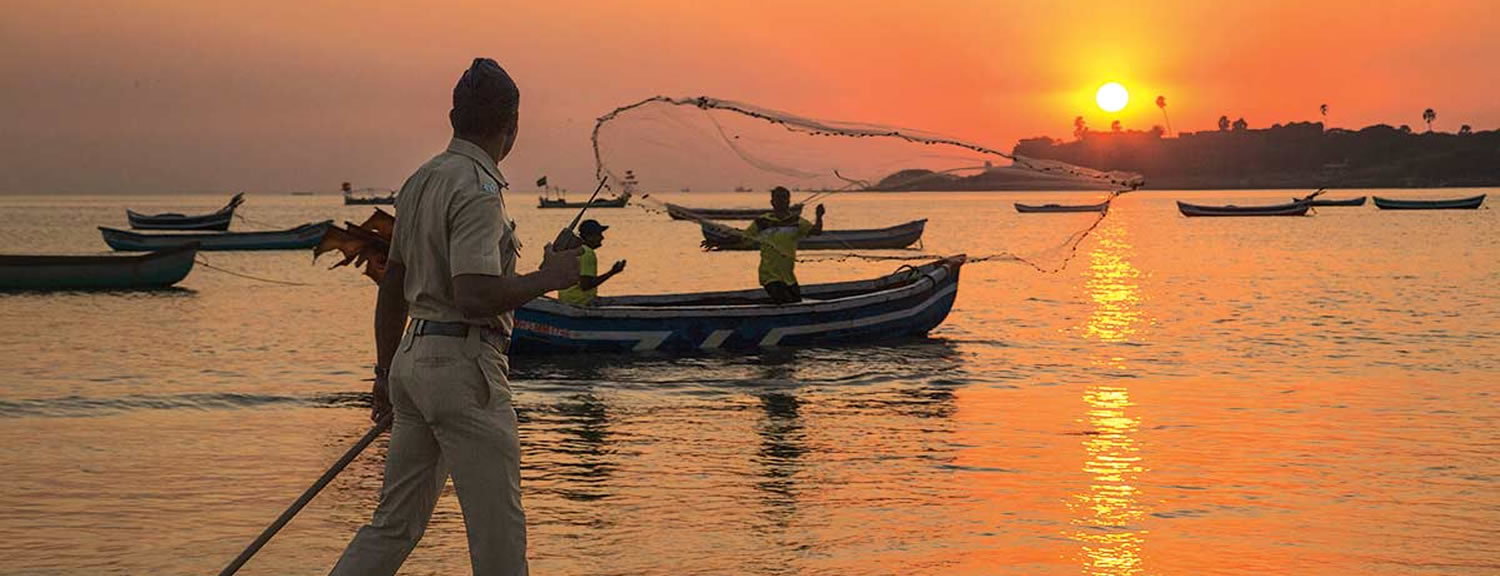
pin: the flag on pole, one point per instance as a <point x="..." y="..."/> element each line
<point x="541" y="182"/>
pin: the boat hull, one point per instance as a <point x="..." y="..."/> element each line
<point x="599" y="203"/>
<point x="908" y="304"/>
<point x="1470" y="203"/>
<point x="1316" y="203"/>
<point x="56" y="273"/>
<point x="218" y="220"/>
<point x="1056" y="208"/>
<point x="892" y="238"/>
<point x="301" y="237"/>
<point x="1291" y="209"/>
<point x="684" y="213"/>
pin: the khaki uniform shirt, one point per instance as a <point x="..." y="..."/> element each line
<point x="451" y="220"/>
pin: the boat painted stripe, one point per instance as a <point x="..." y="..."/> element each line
<point x="646" y="340"/>
<point x="774" y="336"/>
<point x="716" y="339"/>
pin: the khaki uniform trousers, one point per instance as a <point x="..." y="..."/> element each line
<point x="453" y="414"/>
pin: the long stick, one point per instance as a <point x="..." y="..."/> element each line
<point x="349" y="456"/>
<point x="586" y="205"/>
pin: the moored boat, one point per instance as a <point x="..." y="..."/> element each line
<point x="616" y="202"/>
<point x="684" y="213"/>
<point x="367" y="196"/>
<point x="304" y="236"/>
<point x="1317" y="202"/>
<point x="1290" y="209"/>
<point x="217" y="220"/>
<point x="159" y="269"/>
<point x="721" y="237"/>
<point x="1048" y="208"/>
<point x="908" y="303"/>
<point x="1469" y="203"/>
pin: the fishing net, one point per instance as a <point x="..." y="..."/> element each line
<point x="707" y="144"/>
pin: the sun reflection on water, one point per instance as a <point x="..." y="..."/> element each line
<point x="1108" y="514"/>
<point x="1112" y="286"/>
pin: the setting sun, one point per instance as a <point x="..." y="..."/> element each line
<point x="1112" y="97"/>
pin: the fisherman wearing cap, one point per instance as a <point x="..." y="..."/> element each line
<point x="587" y="288"/>
<point x="452" y="270"/>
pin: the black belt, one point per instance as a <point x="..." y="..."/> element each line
<point x="420" y="327"/>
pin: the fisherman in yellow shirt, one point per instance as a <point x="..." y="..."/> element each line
<point x="587" y="288"/>
<point x="778" y="233"/>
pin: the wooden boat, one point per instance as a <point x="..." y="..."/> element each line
<point x="1290" y="209"/>
<point x="627" y="189"/>
<point x="1047" y="208"/>
<point x="684" y="213"/>
<point x="908" y="303"/>
<point x="304" y="236"/>
<point x="369" y="197"/>
<point x="50" y="273"/>
<point x="1469" y="203"/>
<point x="218" y="220"/>
<point x="616" y="202"/>
<point x="721" y="237"/>
<point x="1317" y="203"/>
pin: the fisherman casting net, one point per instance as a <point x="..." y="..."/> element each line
<point x="680" y="145"/>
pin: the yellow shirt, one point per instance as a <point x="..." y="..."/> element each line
<point x="451" y="220"/>
<point x="588" y="265"/>
<point x="778" y="246"/>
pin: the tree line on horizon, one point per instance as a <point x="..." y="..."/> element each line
<point x="1298" y="154"/>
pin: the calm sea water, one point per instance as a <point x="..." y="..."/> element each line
<point x="1189" y="396"/>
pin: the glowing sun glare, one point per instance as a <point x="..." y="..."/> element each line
<point x="1112" y="97"/>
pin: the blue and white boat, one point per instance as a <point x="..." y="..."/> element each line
<point x="908" y="303"/>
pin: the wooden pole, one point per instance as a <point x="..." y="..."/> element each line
<point x="307" y="496"/>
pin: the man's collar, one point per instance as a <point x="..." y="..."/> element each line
<point x="473" y="152"/>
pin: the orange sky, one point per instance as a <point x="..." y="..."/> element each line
<point x="186" y="95"/>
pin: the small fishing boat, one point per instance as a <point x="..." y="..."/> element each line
<point x="218" y="220"/>
<point x="1048" y="208"/>
<point x="1318" y="203"/>
<point x="367" y="196"/>
<point x="906" y="304"/>
<point x="1469" y="203"/>
<point x="627" y="189"/>
<point x="105" y="272"/>
<point x="615" y="202"/>
<point x="1290" y="209"/>
<point x="304" y="236"/>
<point x="721" y="237"/>
<point x="684" y="213"/>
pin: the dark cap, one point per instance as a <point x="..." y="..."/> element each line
<point x="591" y="227"/>
<point x="485" y="84"/>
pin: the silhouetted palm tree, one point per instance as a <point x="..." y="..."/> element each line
<point x="1465" y="130"/>
<point x="1240" y="125"/>
<point x="1428" y="116"/>
<point x="1079" y="127"/>
<point x="1161" y="102"/>
<point x="1323" y="109"/>
<point x="1114" y="126"/>
<point x="1223" y="123"/>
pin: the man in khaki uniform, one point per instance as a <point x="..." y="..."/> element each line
<point x="452" y="269"/>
